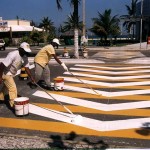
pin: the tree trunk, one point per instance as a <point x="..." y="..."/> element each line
<point x="76" y="52"/>
<point x="75" y="13"/>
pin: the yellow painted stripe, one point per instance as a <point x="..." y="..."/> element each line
<point x="116" y="65"/>
<point x="113" y="70"/>
<point x="99" y="87"/>
<point x="60" y="127"/>
<point x="111" y="75"/>
<point x="79" y="109"/>
<point x="108" y="80"/>
<point x="99" y="97"/>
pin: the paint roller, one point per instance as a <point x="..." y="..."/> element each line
<point x="84" y="83"/>
<point x="75" y="118"/>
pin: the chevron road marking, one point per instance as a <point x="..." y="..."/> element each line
<point x="108" y="77"/>
<point x="88" y="122"/>
<point x="86" y="95"/>
<point x="112" y="68"/>
<point x="79" y="109"/>
<point x="89" y="126"/>
<point x="107" y="94"/>
<point x="110" y="72"/>
<point x="107" y="84"/>
<point x="94" y="105"/>
<point x="61" y="127"/>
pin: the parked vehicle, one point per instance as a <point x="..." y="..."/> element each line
<point x="2" y="44"/>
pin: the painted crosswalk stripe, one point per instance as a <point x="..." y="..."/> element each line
<point x="112" y="68"/>
<point x="88" y="122"/>
<point x="108" y="77"/>
<point x="111" y="72"/>
<point x="79" y="109"/>
<point x="94" y="105"/>
<point x="108" y="94"/>
<point x="106" y="83"/>
<point x="52" y="126"/>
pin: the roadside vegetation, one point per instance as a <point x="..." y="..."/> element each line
<point x="105" y="27"/>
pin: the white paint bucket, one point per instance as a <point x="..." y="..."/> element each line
<point x="66" y="54"/>
<point x="21" y="106"/>
<point x="59" y="84"/>
<point x="85" y="54"/>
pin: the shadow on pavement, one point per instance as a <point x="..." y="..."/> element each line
<point x="70" y="142"/>
<point x="145" y="129"/>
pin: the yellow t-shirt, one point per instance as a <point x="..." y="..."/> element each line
<point x="44" y="55"/>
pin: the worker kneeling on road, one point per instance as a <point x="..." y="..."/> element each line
<point x="8" y="69"/>
<point x="41" y="64"/>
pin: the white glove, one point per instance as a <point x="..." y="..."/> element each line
<point x="64" y="66"/>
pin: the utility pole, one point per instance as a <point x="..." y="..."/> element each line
<point x="141" y="24"/>
<point x="83" y="13"/>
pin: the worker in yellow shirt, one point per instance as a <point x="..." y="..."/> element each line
<point x="41" y="61"/>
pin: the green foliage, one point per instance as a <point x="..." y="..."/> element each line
<point x="131" y="16"/>
<point x="25" y="39"/>
<point x="70" y="23"/>
<point x="49" y="29"/>
<point x="36" y="37"/>
<point x="7" y="41"/>
<point x="106" y="24"/>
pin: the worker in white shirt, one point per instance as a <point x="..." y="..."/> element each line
<point x="41" y="63"/>
<point x="8" y="69"/>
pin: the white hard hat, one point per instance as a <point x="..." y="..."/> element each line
<point x="26" y="47"/>
<point x="56" y="41"/>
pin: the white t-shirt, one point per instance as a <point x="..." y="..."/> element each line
<point x="13" y="62"/>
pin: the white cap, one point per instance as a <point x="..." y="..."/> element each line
<point x="26" y="47"/>
<point x="56" y="41"/>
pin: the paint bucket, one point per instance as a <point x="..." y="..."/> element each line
<point x="23" y="75"/>
<point x="66" y="54"/>
<point x="21" y="106"/>
<point x="59" y="84"/>
<point x="85" y="54"/>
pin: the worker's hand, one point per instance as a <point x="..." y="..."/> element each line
<point x="64" y="66"/>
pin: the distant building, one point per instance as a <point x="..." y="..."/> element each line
<point x="146" y="19"/>
<point x="15" y="29"/>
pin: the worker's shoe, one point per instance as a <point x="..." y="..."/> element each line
<point x="51" y="88"/>
<point x="43" y="85"/>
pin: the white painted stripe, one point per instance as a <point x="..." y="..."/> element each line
<point x="110" y="72"/>
<point x="88" y="122"/>
<point x="112" y="68"/>
<point x="108" y="77"/>
<point x="94" y="105"/>
<point x="107" y="94"/>
<point x="107" y="84"/>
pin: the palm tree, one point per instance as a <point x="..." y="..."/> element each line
<point x="48" y="27"/>
<point x="131" y="17"/>
<point x="75" y="4"/>
<point x="69" y="24"/>
<point x="47" y="24"/>
<point x="105" y="25"/>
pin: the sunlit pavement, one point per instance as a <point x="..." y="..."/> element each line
<point x="118" y="116"/>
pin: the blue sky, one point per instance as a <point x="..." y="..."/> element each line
<point x="37" y="9"/>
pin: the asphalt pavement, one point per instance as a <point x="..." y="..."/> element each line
<point x="38" y="132"/>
